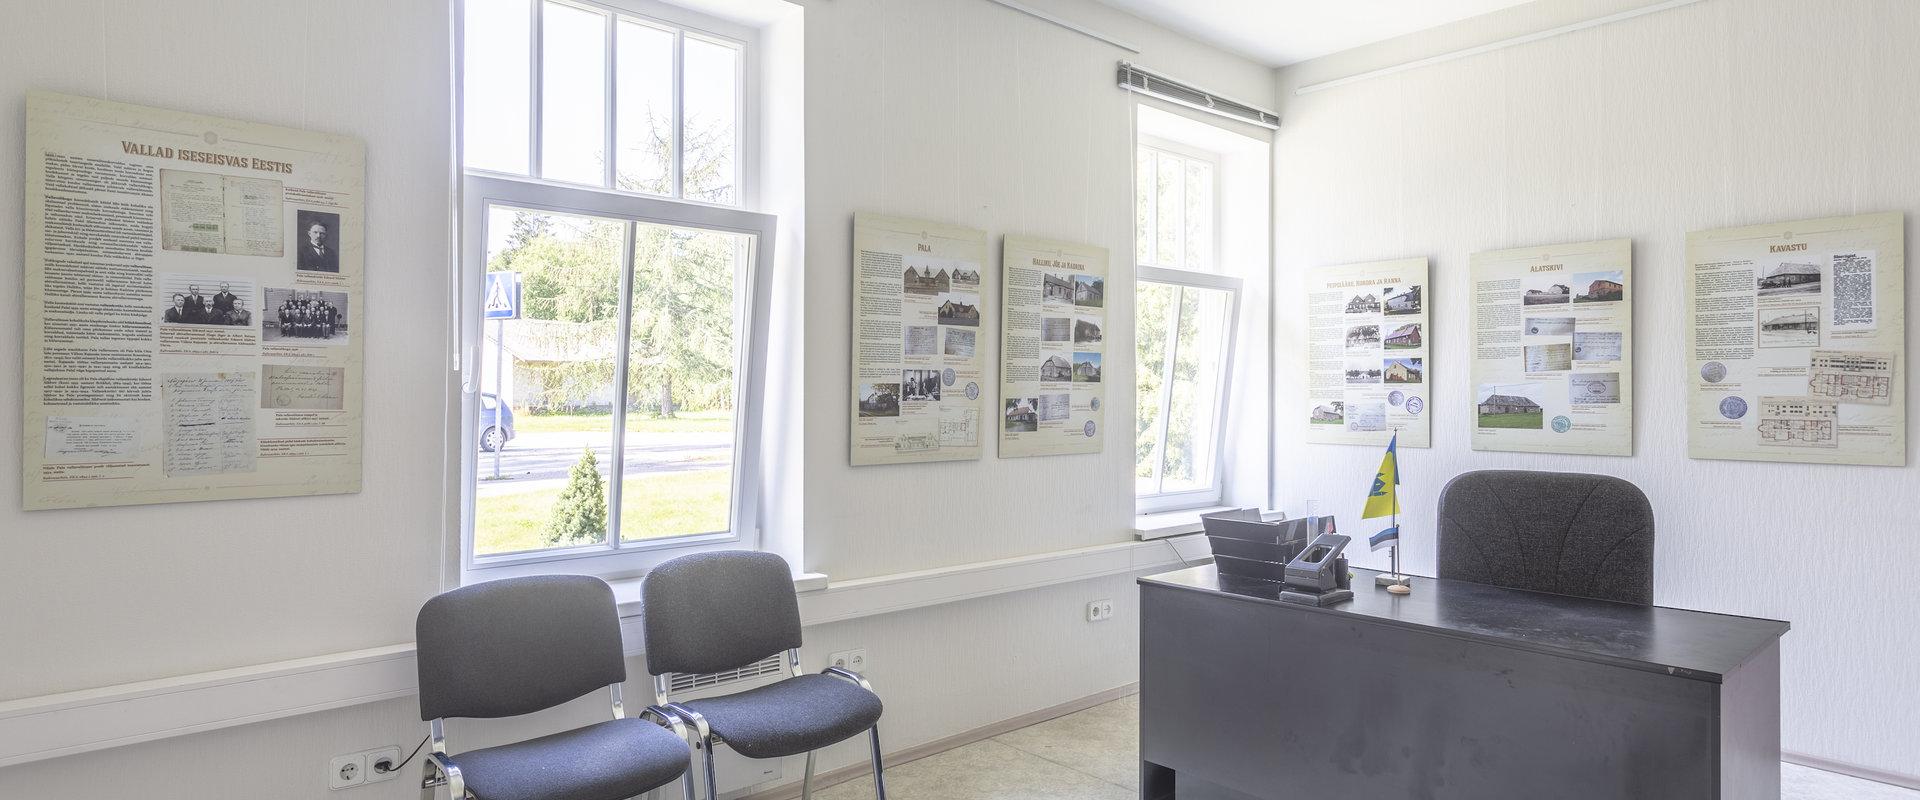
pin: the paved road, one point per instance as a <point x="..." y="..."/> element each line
<point x="538" y="460"/>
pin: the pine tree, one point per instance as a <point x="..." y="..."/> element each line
<point x="580" y="513"/>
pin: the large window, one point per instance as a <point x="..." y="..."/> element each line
<point x="612" y="411"/>
<point x="1184" y="321"/>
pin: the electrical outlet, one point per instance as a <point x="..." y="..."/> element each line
<point x="857" y="660"/>
<point x="345" y="771"/>
<point x="840" y="659"/>
<point x="389" y="755"/>
<point x="1099" y="610"/>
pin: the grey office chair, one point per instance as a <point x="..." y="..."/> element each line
<point x="520" y="645"/>
<point x="719" y="611"/>
<point x="1558" y="532"/>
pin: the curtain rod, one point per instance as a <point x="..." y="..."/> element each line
<point x="1499" y="45"/>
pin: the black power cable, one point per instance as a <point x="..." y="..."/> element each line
<point x="409" y="759"/>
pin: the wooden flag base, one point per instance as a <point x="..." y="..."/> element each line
<point x="1400" y="588"/>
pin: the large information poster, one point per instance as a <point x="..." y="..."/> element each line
<point x="918" y="379"/>
<point x="192" y="308"/>
<point x="1797" y="338"/>
<point x="1367" y="354"/>
<point x="1051" y="347"/>
<point x="1553" y="349"/>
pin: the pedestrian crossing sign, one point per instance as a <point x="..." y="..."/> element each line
<point x="503" y="295"/>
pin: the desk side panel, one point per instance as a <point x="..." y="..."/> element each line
<point x="1750" y="728"/>
<point x="1284" y="703"/>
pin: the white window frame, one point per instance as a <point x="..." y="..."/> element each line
<point x="1183" y="277"/>
<point x="681" y="24"/>
<point x="753" y="302"/>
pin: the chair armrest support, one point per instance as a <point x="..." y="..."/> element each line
<point x="666" y="718"/>
<point x="848" y="675"/>
<point x="694" y="719"/>
<point x="439" y="772"/>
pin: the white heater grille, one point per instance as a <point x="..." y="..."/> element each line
<point x="771" y="665"/>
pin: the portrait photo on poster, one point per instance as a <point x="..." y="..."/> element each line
<point x="186" y="299"/>
<point x="318" y="234"/>
<point x="304" y="317"/>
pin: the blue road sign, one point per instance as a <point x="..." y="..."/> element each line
<point x="503" y="295"/>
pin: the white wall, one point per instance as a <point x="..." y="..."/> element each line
<point x="953" y="109"/>
<point x="1729" y="112"/>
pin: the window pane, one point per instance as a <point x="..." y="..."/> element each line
<point x="1143" y="182"/>
<point x="573" y="102"/>
<point x="643" y="112"/>
<point x="1170" y="197"/>
<point x="1199" y="233"/>
<point x="681" y="365"/>
<point x="545" y="455"/>
<point x="1152" y="301"/>
<point x="712" y="106"/>
<point x="1200" y="343"/>
<point x="497" y="81"/>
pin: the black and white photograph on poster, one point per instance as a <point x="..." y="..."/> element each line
<point x="1402" y="300"/>
<point x="1086" y="367"/>
<point x="1600" y="287"/>
<point x="1367" y="417"/>
<point x="958" y="342"/>
<point x="879" y="400"/>
<point x="920" y="384"/>
<point x="1545" y="290"/>
<point x="1363" y="370"/>
<point x="1789" y="277"/>
<point x="1363" y="337"/>
<point x="1023" y="416"/>
<point x="1588" y="388"/>
<point x="1086" y="331"/>
<point x="1330" y="412"/>
<point x="1056" y="288"/>
<point x="304" y="317"/>
<point x="966" y="279"/>
<point x="1364" y="302"/>
<point x="919" y="340"/>
<point x="1597" y="345"/>
<point x="1056" y="329"/>
<point x="319" y="241"/>
<point x="1549" y="326"/>
<point x="959" y="309"/>
<point x="1056" y="407"/>
<point x="1789" y="326"/>
<point x="1056" y="368"/>
<point x="1403" y="370"/>
<point x="205" y="300"/>
<point x="926" y="280"/>
<point x="1089" y="291"/>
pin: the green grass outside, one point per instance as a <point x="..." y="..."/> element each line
<point x="1329" y="422"/>
<point x="1403" y="347"/>
<point x="655" y="505"/>
<point x="1527" y="421"/>
<point x="684" y="422"/>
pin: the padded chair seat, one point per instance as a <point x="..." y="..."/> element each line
<point x="790" y="717"/>
<point x="612" y="760"/>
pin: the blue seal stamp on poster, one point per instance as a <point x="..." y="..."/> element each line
<point x="1396" y="397"/>
<point x="1713" y="372"/>
<point x="973" y="390"/>
<point x="946" y="376"/>
<point x="1415" y="405"/>
<point x="1088" y="429"/>
<point x="1733" y="407"/>
<point x="1095" y="402"/>
<point x="1561" y="424"/>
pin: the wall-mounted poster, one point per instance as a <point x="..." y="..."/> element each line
<point x="1368" y="371"/>
<point x="1797" y="342"/>
<point x="1052" y="341"/>
<point x="1553" y="349"/>
<point x="918" y="372"/>
<point x="178" y="347"/>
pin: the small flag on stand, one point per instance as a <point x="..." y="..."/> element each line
<point x="1383" y="500"/>
<point x="1386" y="538"/>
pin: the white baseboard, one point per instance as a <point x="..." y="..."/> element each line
<point x="51" y="726"/>
<point x="1853" y="770"/>
<point x="789" y="791"/>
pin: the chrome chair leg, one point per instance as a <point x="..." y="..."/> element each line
<point x="713" y="784"/>
<point x="879" y="770"/>
<point x="806" y="780"/>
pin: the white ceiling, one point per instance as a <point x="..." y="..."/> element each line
<point x="1282" y="32"/>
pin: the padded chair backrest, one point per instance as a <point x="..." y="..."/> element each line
<point x="720" y="610"/>
<point x="518" y="645"/>
<point x="1559" y="532"/>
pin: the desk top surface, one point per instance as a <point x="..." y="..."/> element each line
<point x="1690" y="644"/>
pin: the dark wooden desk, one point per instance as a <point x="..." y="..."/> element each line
<point x="1459" y="690"/>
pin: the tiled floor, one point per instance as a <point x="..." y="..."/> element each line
<point x="1094" y="755"/>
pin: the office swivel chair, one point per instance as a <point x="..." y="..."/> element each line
<point x="719" y="611"/>
<point x="1558" y="532"/>
<point x="520" y="645"/>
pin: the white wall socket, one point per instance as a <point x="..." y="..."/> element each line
<point x="345" y="771"/>
<point x="1099" y="610"/>
<point x="855" y="660"/>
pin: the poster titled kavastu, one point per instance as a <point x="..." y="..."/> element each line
<point x="1796" y="340"/>
<point x="1368" y="370"/>
<point x="919" y="378"/>
<point x="193" y="307"/>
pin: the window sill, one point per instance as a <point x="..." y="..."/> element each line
<point x="1162" y="524"/>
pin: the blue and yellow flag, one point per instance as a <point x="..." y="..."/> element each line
<point x="1383" y="500"/>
